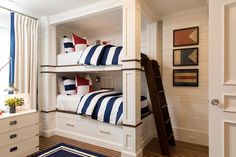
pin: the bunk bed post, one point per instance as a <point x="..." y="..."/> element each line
<point x="132" y="79"/>
<point x="48" y="80"/>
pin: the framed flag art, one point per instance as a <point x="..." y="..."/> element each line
<point x="185" y="57"/>
<point x="185" y="77"/>
<point x="186" y="36"/>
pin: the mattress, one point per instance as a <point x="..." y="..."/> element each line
<point x="102" y="105"/>
<point x="68" y="102"/>
<point x="69" y="58"/>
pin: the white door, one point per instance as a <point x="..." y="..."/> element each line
<point x="222" y="78"/>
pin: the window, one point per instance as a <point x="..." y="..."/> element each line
<point x="4" y="55"/>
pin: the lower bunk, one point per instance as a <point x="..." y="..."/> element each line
<point x="97" y="118"/>
<point x="94" y="132"/>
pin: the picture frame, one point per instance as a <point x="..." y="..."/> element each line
<point x="186" y="77"/>
<point x="185" y="57"/>
<point x="186" y="36"/>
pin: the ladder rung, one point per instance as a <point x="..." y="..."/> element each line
<point x="161" y="91"/>
<point x="168" y="120"/>
<point x="171" y="135"/>
<point x="164" y="106"/>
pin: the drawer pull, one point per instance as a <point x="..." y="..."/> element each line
<point x="13" y="149"/>
<point x="105" y="132"/>
<point x="70" y="125"/>
<point x="13" y="136"/>
<point x="13" y="122"/>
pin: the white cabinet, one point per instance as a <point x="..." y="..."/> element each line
<point x="19" y="133"/>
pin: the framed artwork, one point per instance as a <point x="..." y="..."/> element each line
<point x="185" y="77"/>
<point x="186" y="36"/>
<point x="185" y="57"/>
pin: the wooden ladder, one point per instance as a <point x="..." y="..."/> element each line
<point x="159" y="104"/>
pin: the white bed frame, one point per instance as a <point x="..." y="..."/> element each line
<point x="129" y="138"/>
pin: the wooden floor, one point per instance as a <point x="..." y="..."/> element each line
<point x="152" y="150"/>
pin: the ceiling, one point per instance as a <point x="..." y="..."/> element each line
<point x="100" y="21"/>
<point x="165" y="7"/>
<point x="49" y="7"/>
<point x="40" y="8"/>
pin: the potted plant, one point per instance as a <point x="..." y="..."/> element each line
<point x="13" y="102"/>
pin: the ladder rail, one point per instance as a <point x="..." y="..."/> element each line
<point x="152" y="73"/>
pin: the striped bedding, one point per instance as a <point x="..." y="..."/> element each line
<point x="101" y="55"/>
<point x="106" y="106"/>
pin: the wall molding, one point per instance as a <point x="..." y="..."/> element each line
<point x="191" y="136"/>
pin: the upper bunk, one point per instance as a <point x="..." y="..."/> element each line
<point x="102" y="21"/>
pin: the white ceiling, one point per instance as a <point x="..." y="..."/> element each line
<point x="164" y="7"/>
<point x="49" y="7"/>
<point x="44" y="7"/>
<point x="103" y="21"/>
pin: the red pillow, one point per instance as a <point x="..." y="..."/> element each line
<point x="80" y="44"/>
<point x="83" y="85"/>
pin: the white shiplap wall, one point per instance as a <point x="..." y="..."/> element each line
<point x="188" y="105"/>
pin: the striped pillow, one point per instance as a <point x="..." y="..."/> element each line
<point x="69" y="85"/>
<point x="92" y="55"/>
<point x="68" y="45"/>
<point x="144" y="106"/>
<point x="112" y="56"/>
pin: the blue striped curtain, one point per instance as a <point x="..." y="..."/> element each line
<point x="12" y="49"/>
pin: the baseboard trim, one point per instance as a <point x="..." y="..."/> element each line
<point x="146" y="139"/>
<point x="191" y="136"/>
<point x="46" y="133"/>
<point x="128" y="154"/>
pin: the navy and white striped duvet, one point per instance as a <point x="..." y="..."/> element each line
<point x="101" y="55"/>
<point x="112" y="56"/>
<point x="106" y="106"/>
<point x="92" y="55"/>
<point x="109" y="110"/>
<point x="90" y="100"/>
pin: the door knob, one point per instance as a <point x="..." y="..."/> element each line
<point x="215" y="102"/>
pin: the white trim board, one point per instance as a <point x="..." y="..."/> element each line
<point x="191" y="136"/>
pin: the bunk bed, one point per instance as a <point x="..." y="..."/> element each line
<point x="59" y="115"/>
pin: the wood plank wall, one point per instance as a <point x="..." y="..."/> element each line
<point x="188" y="105"/>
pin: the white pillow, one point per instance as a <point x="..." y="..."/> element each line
<point x="68" y="45"/>
<point x="69" y="85"/>
<point x="61" y="86"/>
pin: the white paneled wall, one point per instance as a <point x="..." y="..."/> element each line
<point x="188" y="105"/>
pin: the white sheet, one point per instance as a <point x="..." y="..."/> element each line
<point x="68" y="102"/>
<point x="69" y="58"/>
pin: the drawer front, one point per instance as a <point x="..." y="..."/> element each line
<point x="13" y="123"/>
<point x="91" y="128"/>
<point x="21" y="149"/>
<point x="66" y="124"/>
<point x="19" y="134"/>
<point x="105" y="132"/>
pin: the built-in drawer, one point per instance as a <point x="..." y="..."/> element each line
<point x="18" y="135"/>
<point x="20" y="149"/>
<point x="91" y="128"/>
<point x="100" y="130"/>
<point x="17" y="122"/>
<point x="67" y="124"/>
